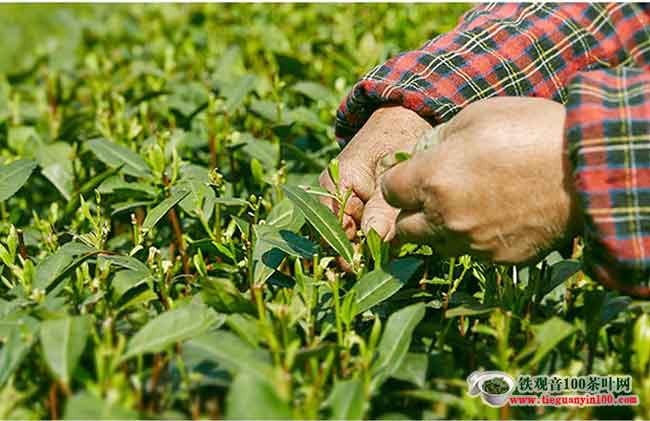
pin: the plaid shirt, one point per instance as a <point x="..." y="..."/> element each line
<point x="594" y="58"/>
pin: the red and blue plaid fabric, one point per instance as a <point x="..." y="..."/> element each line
<point x="593" y="58"/>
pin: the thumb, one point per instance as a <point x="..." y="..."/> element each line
<point x="379" y="215"/>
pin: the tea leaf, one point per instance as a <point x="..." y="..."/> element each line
<point x="322" y="220"/>
<point x="413" y="369"/>
<point x="84" y="406"/>
<point x="468" y="310"/>
<point x="285" y="240"/>
<point x="547" y="336"/>
<point x="19" y="342"/>
<point x="63" y="341"/>
<point x="395" y="341"/>
<point x="13" y="176"/>
<point x="232" y="353"/>
<point x="347" y="400"/>
<point x="285" y="215"/>
<point x="115" y="155"/>
<point x="560" y="272"/>
<point x="267" y="404"/>
<point x="642" y="342"/>
<point x="172" y="326"/>
<point x="380" y="284"/>
<point x="162" y="208"/>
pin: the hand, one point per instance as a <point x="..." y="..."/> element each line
<point x="498" y="187"/>
<point x="388" y="130"/>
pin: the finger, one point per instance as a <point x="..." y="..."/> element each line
<point x="402" y="184"/>
<point x="349" y="226"/>
<point x="353" y="206"/>
<point x="343" y="264"/>
<point x="415" y="227"/>
<point x="326" y="182"/>
<point x="379" y="216"/>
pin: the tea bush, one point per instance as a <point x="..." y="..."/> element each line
<point x="161" y="258"/>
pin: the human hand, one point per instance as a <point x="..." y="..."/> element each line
<point x="388" y="130"/>
<point x="498" y="187"/>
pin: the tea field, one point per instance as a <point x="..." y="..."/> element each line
<point x="160" y="256"/>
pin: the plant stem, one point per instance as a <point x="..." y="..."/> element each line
<point x="178" y="233"/>
<point x="337" y="310"/>
<point x="21" y="244"/>
<point x="54" y="406"/>
<point x="217" y="222"/>
<point x="344" y="201"/>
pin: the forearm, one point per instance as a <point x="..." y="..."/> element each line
<point x="496" y="50"/>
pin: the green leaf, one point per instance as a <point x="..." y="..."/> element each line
<point x="25" y="140"/>
<point x="547" y="336"/>
<point x="63" y="274"/>
<point x="18" y="344"/>
<point x="469" y="310"/>
<point x="264" y="151"/>
<point x="255" y="398"/>
<point x="284" y="215"/>
<point x="56" y="163"/>
<point x="232" y="353"/>
<point x="50" y="267"/>
<point x="53" y="265"/>
<point x="115" y="155"/>
<point x="84" y="406"/>
<point x="641" y="344"/>
<point x="347" y="400"/>
<point x="560" y="272"/>
<point x="314" y="91"/>
<point x="17" y="319"/>
<point x="63" y="342"/>
<point x="224" y="297"/>
<point x="236" y="91"/>
<point x="600" y="308"/>
<point x="231" y="201"/>
<point x="285" y="240"/>
<point x="60" y="178"/>
<point x="246" y="326"/>
<point x="413" y="369"/>
<point x="379" y="250"/>
<point x="172" y="326"/>
<point x="201" y="197"/>
<point x="380" y="284"/>
<point x="13" y="176"/>
<point x="162" y="208"/>
<point x="613" y="306"/>
<point x="115" y="184"/>
<point x="266" y="258"/>
<point x="126" y="262"/>
<point x="322" y="220"/>
<point x="125" y="280"/>
<point x="395" y="341"/>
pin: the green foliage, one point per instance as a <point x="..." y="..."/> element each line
<point x="13" y="176"/>
<point x="164" y="252"/>
<point x="63" y="341"/>
<point x="322" y="220"/>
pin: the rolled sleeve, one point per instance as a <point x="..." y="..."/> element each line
<point x="608" y="136"/>
<point x="496" y="49"/>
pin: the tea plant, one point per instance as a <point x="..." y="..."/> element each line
<point x="164" y="253"/>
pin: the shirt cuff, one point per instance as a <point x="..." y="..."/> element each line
<point x="608" y="136"/>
